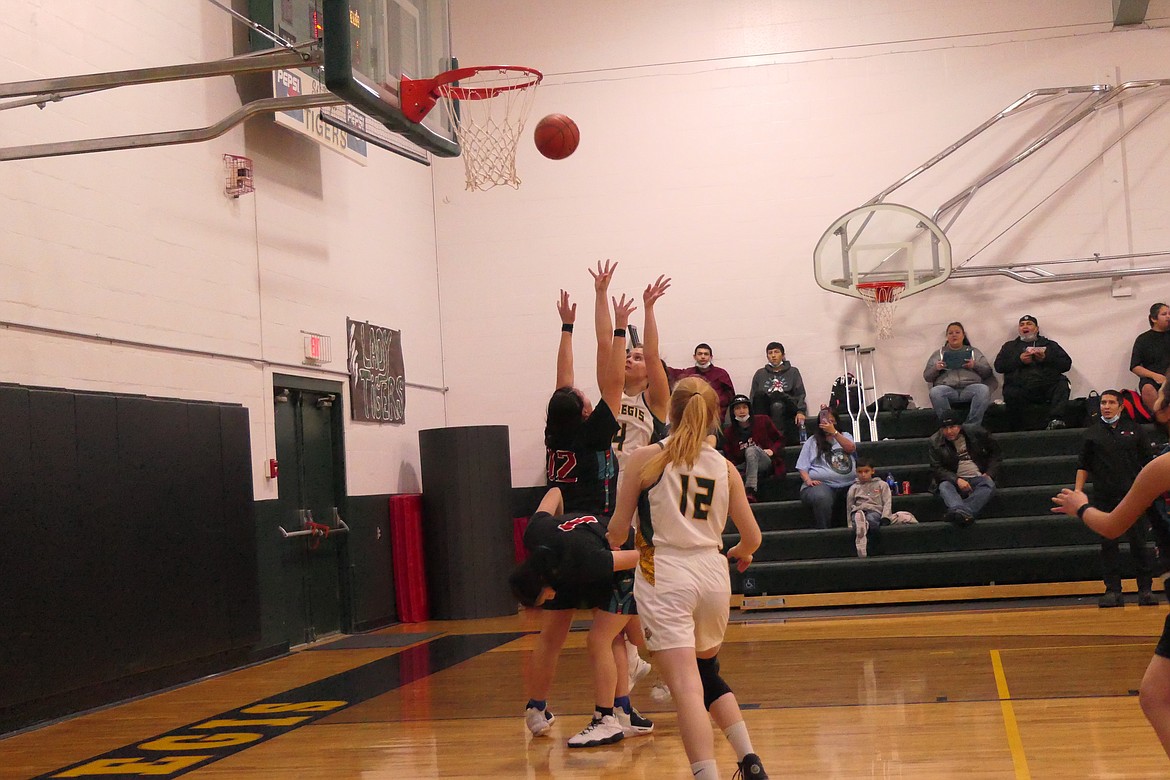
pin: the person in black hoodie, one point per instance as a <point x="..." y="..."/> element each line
<point x="964" y="464"/>
<point x="1033" y="369"/>
<point x="778" y="391"/>
<point x="1114" y="452"/>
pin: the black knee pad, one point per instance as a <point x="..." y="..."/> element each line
<point x="713" y="685"/>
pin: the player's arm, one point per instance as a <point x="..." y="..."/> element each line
<point x="1081" y="479"/>
<point x="568" y="313"/>
<point x="602" y="324"/>
<point x="613" y="378"/>
<point x="658" y="392"/>
<point x="552" y="503"/>
<point x="627" y="497"/>
<point x="624" y="559"/>
<point x="1151" y="482"/>
<point x="744" y="520"/>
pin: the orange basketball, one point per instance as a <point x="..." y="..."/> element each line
<point x="556" y="136"/>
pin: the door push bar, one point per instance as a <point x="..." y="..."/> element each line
<point x="317" y="530"/>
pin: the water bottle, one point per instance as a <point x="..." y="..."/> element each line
<point x="893" y="483"/>
<point x="803" y="434"/>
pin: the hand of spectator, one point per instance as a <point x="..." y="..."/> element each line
<point x="800" y="418"/>
<point x="1159" y="379"/>
<point x="829" y="428"/>
<point x="621" y="312"/>
<point x="1067" y="502"/>
<point x="741" y="559"/>
<point x="969" y="364"/>
<point x="963" y="485"/>
<point x="1026" y="357"/>
<point x="813" y="482"/>
<point x="655" y="291"/>
<point x="769" y="453"/>
<point x="603" y="277"/>
<point x="567" y="311"/>
<point x="940" y="365"/>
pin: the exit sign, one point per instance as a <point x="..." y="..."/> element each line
<point x="317" y="349"/>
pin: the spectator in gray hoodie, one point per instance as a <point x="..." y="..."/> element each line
<point x="778" y="391"/>
<point x="959" y="372"/>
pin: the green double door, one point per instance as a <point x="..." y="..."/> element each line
<point x="312" y="485"/>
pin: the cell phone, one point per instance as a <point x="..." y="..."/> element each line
<point x="824" y="417"/>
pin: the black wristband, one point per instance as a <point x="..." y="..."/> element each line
<point x="567" y="327"/>
<point x="619" y="333"/>
<point x="1081" y="511"/>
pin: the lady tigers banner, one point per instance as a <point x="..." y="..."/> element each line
<point x="377" y="378"/>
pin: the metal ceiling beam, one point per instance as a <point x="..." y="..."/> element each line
<point x="1127" y="12"/>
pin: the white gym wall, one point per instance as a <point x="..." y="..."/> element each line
<point x="720" y="138"/>
<point x="143" y="245"/>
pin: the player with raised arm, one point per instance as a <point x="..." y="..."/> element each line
<point x="683" y="491"/>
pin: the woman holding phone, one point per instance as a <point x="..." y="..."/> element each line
<point x="957" y="371"/>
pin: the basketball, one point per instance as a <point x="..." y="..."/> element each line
<point x="556" y="136"/>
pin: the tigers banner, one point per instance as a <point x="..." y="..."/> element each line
<point x="377" y="378"/>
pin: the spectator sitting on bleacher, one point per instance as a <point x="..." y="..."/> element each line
<point x="710" y="373"/>
<point x="826" y="466"/>
<point x="964" y="464"/>
<point x="1033" y="369"/>
<point x="1151" y="354"/>
<point x="958" y="372"/>
<point x="753" y="445"/>
<point x="778" y="391"/>
<point x="866" y="503"/>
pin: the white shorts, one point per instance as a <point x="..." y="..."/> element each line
<point x="689" y="602"/>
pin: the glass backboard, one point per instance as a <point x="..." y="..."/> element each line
<point x="371" y="44"/>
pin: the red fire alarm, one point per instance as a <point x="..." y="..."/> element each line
<point x="273" y="468"/>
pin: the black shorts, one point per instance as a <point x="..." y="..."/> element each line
<point x="1145" y="380"/>
<point x="1163" y="648"/>
<point x="616" y="598"/>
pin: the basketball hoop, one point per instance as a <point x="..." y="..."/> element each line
<point x="882" y="300"/>
<point x="488" y="108"/>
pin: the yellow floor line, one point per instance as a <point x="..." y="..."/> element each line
<point x="1019" y="759"/>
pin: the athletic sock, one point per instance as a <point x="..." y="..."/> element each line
<point x="603" y="711"/>
<point x="705" y="770"/>
<point x="741" y="742"/>
<point x="538" y="704"/>
<point x="623" y="702"/>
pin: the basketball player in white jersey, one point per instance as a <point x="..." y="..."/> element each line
<point x="683" y="490"/>
<point x="646" y="392"/>
<point x="644" y="404"/>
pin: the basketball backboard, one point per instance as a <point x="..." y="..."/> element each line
<point x="377" y="42"/>
<point x="882" y="242"/>
<point x="371" y="44"/>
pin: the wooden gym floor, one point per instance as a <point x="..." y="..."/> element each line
<point x="1047" y="692"/>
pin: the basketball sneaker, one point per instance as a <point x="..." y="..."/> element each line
<point x="539" y="721"/>
<point x="659" y="692"/>
<point x="602" y="730"/>
<point x="638" y="667"/>
<point x="751" y="768"/>
<point x="632" y="722"/>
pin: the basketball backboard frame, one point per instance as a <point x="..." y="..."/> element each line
<point x="371" y="44"/>
<point x="882" y="242"/>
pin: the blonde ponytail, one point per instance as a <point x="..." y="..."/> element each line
<point x="694" y="409"/>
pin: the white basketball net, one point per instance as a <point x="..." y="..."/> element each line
<point x="489" y="129"/>
<point x="882" y="302"/>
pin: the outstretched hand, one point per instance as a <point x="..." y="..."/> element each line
<point x="568" y="311"/>
<point x="604" y="276"/>
<point x="655" y="291"/>
<point x="622" y="310"/>
<point x="1067" y="502"/>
